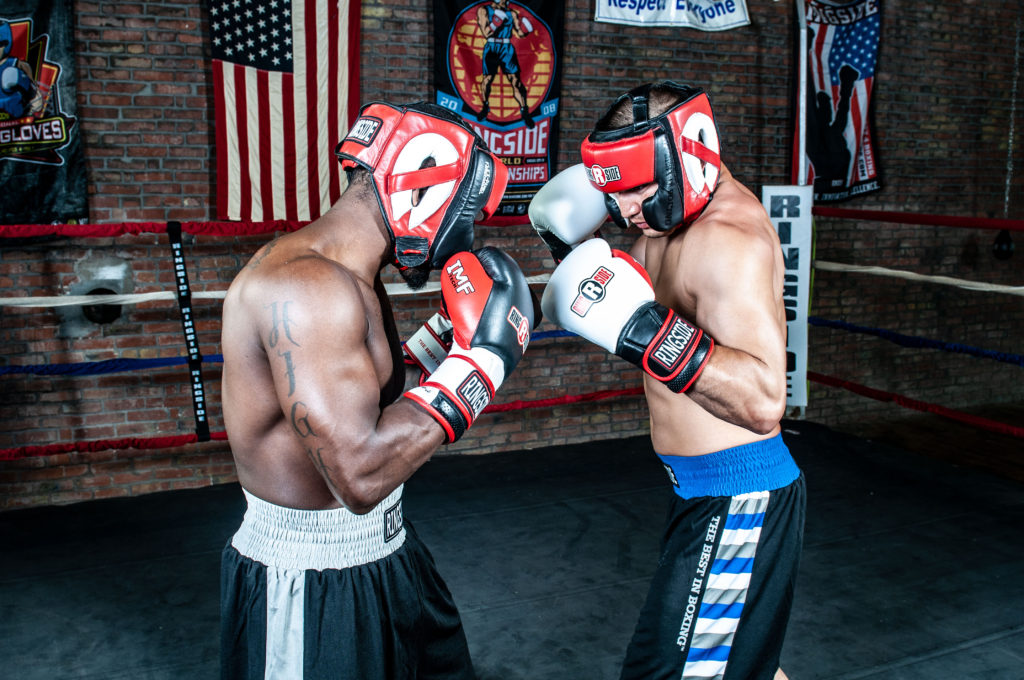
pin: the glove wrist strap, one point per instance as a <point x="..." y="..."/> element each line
<point x="666" y="346"/>
<point x="459" y="390"/>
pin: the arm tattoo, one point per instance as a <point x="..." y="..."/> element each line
<point x="300" y="420"/>
<point x="259" y="257"/>
<point x="289" y="369"/>
<point x="281" y="322"/>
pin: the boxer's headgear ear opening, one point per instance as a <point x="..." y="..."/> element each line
<point x="432" y="176"/>
<point x="679" y="149"/>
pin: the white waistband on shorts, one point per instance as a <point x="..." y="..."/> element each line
<point x="288" y="538"/>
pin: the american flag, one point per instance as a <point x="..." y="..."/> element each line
<point x="285" y="90"/>
<point x="843" y="46"/>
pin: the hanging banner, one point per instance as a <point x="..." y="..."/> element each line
<point x="41" y="159"/>
<point x="496" y="65"/>
<point x="285" y="90"/>
<point x="703" y="15"/>
<point x="842" y="46"/>
<point x="789" y="208"/>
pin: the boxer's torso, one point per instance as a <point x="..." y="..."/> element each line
<point x="679" y="425"/>
<point x="269" y="456"/>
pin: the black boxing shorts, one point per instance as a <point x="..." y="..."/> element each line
<point x="720" y="599"/>
<point x="331" y="594"/>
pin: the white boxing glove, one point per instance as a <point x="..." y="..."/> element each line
<point x="497" y="19"/>
<point x="605" y="296"/>
<point x="567" y="210"/>
<point x="430" y="344"/>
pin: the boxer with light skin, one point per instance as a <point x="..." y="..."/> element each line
<point x="697" y="306"/>
<point x="325" y="578"/>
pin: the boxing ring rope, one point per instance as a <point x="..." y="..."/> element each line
<point x="253" y="228"/>
<point x="919" y="218"/>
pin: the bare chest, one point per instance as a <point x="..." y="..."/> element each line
<point x="666" y="265"/>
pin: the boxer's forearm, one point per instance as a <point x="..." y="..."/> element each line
<point x="742" y="390"/>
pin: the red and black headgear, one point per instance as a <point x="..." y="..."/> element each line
<point x="679" y="149"/>
<point x="423" y="146"/>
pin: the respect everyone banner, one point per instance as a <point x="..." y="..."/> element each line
<point x="703" y="15"/>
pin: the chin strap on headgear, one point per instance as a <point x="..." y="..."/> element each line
<point x="679" y="149"/>
<point x="432" y="174"/>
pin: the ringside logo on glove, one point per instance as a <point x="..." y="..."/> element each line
<point x="475" y="392"/>
<point x="522" y="326"/>
<point x="592" y="291"/>
<point x="672" y="347"/>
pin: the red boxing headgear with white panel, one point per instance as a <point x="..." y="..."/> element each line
<point x="432" y="174"/>
<point x="679" y="149"/>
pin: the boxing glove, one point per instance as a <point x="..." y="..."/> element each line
<point x="567" y="210"/>
<point x="497" y="19"/>
<point x="430" y="344"/>
<point x="605" y="296"/>
<point x="488" y="301"/>
<point x="526" y="25"/>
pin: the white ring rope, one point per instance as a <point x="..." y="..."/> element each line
<point x="396" y="289"/>
<point x="911" y="276"/>
<point x="393" y="289"/>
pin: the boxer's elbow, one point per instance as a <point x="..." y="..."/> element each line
<point x="358" y="499"/>
<point x="358" y="491"/>
<point x="765" y="420"/>
<point x="764" y="411"/>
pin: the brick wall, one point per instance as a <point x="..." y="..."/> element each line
<point x="943" y="101"/>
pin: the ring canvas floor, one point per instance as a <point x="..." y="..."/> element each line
<point x="913" y="567"/>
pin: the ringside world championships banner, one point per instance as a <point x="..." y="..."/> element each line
<point x="497" y="66"/>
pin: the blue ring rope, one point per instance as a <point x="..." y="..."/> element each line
<point x="911" y="341"/>
<point x="121" y="365"/>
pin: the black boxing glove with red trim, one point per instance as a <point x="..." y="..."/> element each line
<point x="488" y="301"/>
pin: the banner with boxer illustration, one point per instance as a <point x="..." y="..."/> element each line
<point x="497" y="65"/>
<point x="42" y="167"/>
<point x="703" y="15"/>
<point x="842" y="46"/>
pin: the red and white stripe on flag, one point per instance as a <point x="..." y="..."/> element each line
<point x="285" y="91"/>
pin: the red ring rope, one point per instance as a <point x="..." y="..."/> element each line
<point x="977" y="421"/>
<point x="919" y="218"/>
<point x="117" y="229"/>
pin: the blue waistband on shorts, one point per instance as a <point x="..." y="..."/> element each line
<point x="763" y="465"/>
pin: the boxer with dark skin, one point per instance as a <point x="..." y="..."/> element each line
<point x="313" y="367"/>
<point x="325" y="577"/>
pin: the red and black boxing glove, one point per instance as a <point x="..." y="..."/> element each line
<point x="491" y="310"/>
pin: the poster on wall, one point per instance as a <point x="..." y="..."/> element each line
<point x="842" y="47"/>
<point x="42" y="165"/>
<point x="703" y="15"/>
<point x="789" y="208"/>
<point x="496" y="66"/>
<point x="285" y="86"/>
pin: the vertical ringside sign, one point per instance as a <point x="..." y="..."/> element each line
<point x="789" y="208"/>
